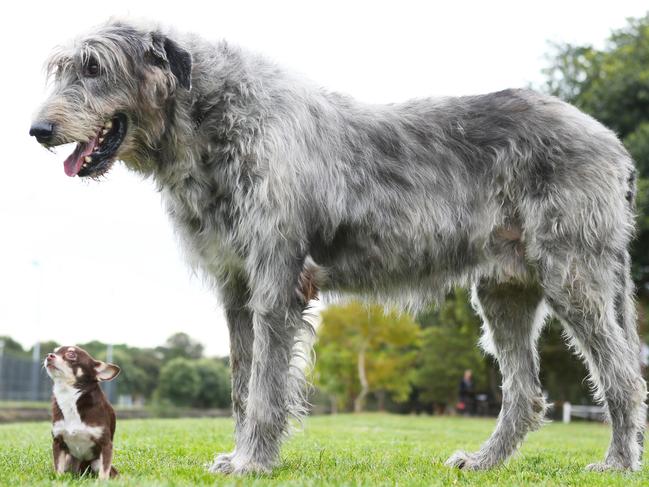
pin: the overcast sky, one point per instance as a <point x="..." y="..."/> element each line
<point x="83" y="260"/>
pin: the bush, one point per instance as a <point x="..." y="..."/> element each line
<point x="215" y="384"/>
<point x="180" y="382"/>
<point x="203" y="383"/>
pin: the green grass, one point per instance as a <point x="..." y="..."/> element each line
<point x="370" y="449"/>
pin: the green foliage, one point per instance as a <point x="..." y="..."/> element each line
<point x="215" y="384"/>
<point x="203" y="383"/>
<point x="133" y="379"/>
<point x="181" y="345"/>
<point x="562" y="373"/>
<point x="46" y="347"/>
<point x="449" y="347"/>
<point x="9" y="345"/>
<point x="612" y="85"/>
<point x="180" y="382"/>
<point x="148" y="362"/>
<point x="637" y="142"/>
<point x="387" y="342"/>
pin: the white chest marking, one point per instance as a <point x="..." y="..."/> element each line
<point x="77" y="435"/>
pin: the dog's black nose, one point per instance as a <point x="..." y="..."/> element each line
<point x="43" y="131"/>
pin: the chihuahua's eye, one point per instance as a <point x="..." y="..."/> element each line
<point x="91" y="68"/>
<point x="71" y="355"/>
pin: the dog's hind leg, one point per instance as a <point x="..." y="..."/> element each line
<point x="235" y="298"/>
<point x="594" y="304"/>
<point x="513" y="316"/>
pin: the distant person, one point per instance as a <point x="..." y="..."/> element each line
<point x="466" y="399"/>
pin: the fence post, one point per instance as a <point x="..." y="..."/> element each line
<point x="2" y="350"/>
<point x="567" y="408"/>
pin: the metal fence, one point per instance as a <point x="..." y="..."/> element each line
<point x="23" y="379"/>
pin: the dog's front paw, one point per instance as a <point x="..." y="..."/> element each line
<point x="466" y="461"/>
<point x="610" y="465"/>
<point x="222" y="464"/>
<point x="250" y="467"/>
<point x="231" y="463"/>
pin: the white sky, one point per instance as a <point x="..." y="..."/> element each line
<point x="108" y="266"/>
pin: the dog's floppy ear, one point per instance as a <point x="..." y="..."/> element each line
<point x="106" y="371"/>
<point x="169" y="54"/>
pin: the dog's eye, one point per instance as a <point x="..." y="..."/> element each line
<point x="91" y="68"/>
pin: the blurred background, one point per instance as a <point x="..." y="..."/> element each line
<point x="98" y="265"/>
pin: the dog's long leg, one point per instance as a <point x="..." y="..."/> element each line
<point x="239" y="318"/>
<point x="273" y="275"/>
<point x="603" y="330"/>
<point x="513" y="317"/>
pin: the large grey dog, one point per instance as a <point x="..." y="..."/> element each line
<point x="279" y="188"/>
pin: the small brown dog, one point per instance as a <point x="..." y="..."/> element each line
<point x="83" y="421"/>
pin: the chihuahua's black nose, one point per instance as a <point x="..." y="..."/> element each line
<point x="43" y="131"/>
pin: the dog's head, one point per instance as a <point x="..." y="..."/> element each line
<point x="110" y="94"/>
<point x="73" y="365"/>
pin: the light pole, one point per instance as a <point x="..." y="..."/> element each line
<point x="109" y="385"/>
<point x="36" y="355"/>
<point x="36" y="366"/>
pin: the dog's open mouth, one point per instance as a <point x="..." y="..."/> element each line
<point x="95" y="157"/>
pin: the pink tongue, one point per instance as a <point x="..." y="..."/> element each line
<point x="73" y="163"/>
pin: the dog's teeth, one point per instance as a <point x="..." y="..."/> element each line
<point x="104" y="132"/>
<point x="109" y="124"/>
<point x="87" y="159"/>
<point x="101" y="139"/>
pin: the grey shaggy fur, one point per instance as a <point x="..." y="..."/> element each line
<point x="271" y="180"/>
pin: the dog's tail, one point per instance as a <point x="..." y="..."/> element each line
<point x="303" y="356"/>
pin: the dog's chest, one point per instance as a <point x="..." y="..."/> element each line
<point x="79" y="437"/>
<point x="206" y="234"/>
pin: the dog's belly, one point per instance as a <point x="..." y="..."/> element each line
<point x="356" y="260"/>
<point x="79" y="437"/>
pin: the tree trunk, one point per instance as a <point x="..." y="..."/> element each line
<point x="380" y="395"/>
<point x="359" y="402"/>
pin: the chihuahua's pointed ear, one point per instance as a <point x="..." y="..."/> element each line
<point x="168" y="54"/>
<point x="106" y="371"/>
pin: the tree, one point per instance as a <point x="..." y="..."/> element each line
<point x="362" y="349"/>
<point x="180" y="382"/>
<point x="449" y="347"/>
<point x="9" y="345"/>
<point x="149" y="362"/>
<point x="46" y="347"/>
<point x="181" y="345"/>
<point x="612" y="85"/>
<point x="214" y="391"/>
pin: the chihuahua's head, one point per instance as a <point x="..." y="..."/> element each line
<point x="73" y="365"/>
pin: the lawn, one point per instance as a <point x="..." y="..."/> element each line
<point x="370" y="449"/>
